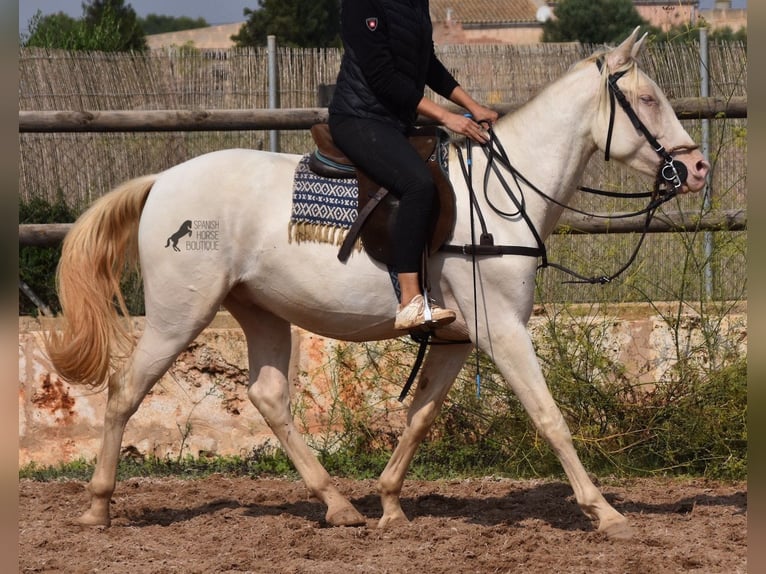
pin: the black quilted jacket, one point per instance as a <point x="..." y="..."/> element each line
<point x="388" y="60"/>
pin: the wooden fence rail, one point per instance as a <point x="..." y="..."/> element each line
<point x="46" y="235"/>
<point x="51" y="234"/>
<point x="279" y="119"/>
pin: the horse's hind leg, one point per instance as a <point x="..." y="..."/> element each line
<point x="439" y="371"/>
<point x="269" y="345"/>
<point x="152" y="356"/>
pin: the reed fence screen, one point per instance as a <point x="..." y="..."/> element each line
<point x="79" y="167"/>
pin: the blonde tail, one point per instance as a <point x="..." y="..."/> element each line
<point x="94" y="256"/>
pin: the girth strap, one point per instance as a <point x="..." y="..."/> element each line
<point x="469" y="249"/>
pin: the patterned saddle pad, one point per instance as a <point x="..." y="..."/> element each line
<point x="323" y="209"/>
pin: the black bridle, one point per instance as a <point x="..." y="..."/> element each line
<point x="671" y="174"/>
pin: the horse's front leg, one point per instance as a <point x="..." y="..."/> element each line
<point x="514" y="355"/>
<point x="439" y="370"/>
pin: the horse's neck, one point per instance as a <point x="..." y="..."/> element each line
<point x="549" y="141"/>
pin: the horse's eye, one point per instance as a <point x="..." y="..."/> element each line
<point x="647" y="100"/>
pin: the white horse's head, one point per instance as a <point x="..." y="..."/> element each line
<point x="621" y="138"/>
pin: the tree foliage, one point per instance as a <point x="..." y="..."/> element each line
<point x="691" y="34"/>
<point x="726" y="34"/>
<point x="295" y="23"/>
<point x="592" y="21"/>
<point x="106" y="26"/>
<point x="122" y="22"/>
<point x="54" y="31"/>
<point x="160" y="24"/>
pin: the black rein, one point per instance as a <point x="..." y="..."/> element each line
<point x="671" y="173"/>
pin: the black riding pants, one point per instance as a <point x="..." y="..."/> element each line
<point x="384" y="154"/>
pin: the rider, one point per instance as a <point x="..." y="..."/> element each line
<point x="388" y="60"/>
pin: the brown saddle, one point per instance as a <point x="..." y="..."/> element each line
<point x="376" y="207"/>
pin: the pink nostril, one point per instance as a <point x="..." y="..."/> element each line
<point x="702" y="167"/>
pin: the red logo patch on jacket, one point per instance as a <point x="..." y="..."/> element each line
<point x="372" y="24"/>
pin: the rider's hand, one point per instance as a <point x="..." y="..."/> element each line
<point x="482" y="114"/>
<point x="465" y="125"/>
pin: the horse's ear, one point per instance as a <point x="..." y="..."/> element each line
<point x="638" y="46"/>
<point x="625" y="52"/>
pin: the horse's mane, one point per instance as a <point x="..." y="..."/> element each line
<point x="630" y="69"/>
<point x="631" y="76"/>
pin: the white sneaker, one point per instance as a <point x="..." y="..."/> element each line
<point x="414" y="315"/>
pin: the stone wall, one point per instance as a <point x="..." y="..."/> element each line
<point x="201" y="407"/>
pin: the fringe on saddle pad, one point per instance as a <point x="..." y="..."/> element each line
<point x="323" y="209"/>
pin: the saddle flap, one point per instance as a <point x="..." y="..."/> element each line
<point x="379" y="226"/>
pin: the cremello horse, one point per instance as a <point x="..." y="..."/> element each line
<point x="248" y="265"/>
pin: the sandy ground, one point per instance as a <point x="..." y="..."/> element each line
<point x="221" y="524"/>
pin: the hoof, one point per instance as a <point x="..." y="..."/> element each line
<point x="90" y="519"/>
<point x="345" y="517"/>
<point x="393" y="521"/>
<point x="618" y="530"/>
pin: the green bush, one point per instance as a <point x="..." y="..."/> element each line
<point x="692" y="422"/>
<point x="266" y="460"/>
<point x="37" y="265"/>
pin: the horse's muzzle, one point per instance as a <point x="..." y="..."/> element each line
<point x="691" y="167"/>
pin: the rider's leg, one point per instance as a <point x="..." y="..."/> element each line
<point x="384" y="153"/>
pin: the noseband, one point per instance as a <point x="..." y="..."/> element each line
<point x="671" y="172"/>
